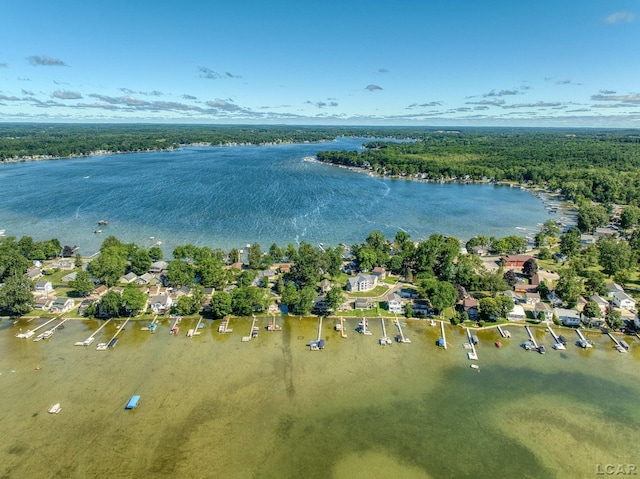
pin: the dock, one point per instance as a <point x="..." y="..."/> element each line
<point x="443" y="337"/>
<point x="152" y="326"/>
<point x="504" y="333"/>
<point x="273" y="325"/>
<point x="617" y="344"/>
<point x="558" y="345"/>
<point x="29" y="333"/>
<point x="384" y="340"/>
<point x="91" y="337"/>
<point x="340" y="328"/>
<point x="114" y="340"/>
<point x="532" y="338"/>
<point x="195" y="331"/>
<point x="253" y="333"/>
<point x="319" y="328"/>
<point x="317" y="344"/>
<point x="362" y="327"/>
<point x="473" y="354"/>
<point x="224" y="326"/>
<point x="133" y="402"/>
<point x="49" y="332"/>
<point x="175" y="328"/>
<point x="583" y="341"/>
<point x="401" y="337"/>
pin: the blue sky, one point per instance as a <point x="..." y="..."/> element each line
<point x="406" y="62"/>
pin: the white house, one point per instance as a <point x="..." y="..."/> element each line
<point x="362" y="282"/>
<point x="394" y="304"/>
<point x="568" y="317"/>
<point x="43" y="287"/>
<point x="622" y="300"/>
<point x="160" y="304"/>
<point x="62" y="305"/>
<point x="543" y="312"/>
<point x="613" y="288"/>
<point x="516" y="314"/>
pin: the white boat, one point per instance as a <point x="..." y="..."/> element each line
<point x="474" y="366"/>
<point x="101" y="347"/>
<point x="55" y="409"/>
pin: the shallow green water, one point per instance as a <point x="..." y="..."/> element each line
<point x="213" y="406"/>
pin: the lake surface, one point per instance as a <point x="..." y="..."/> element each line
<point x="213" y="406"/>
<point x="229" y="196"/>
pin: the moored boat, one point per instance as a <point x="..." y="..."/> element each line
<point x="55" y="409"/>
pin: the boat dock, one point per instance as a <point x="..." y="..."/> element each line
<point x="114" y="340"/>
<point x="340" y="327"/>
<point x="583" y="341"/>
<point x="195" y="331"/>
<point x="317" y="344"/>
<point x="362" y="327"/>
<point x="224" y="326"/>
<point x="273" y="325"/>
<point x="473" y="354"/>
<point x="91" y="337"/>
<point x="558" y="344"/>
<point x="401" y="338"/>
<point x="384" y="340"/>
<point x="175" y="328"/>
<point x="253" y="333"/>
<point x="531" y="337"/>
<point x="29" y="333"/>
<point x="152" y="326"/>
<point x="504" y="333"/>
<point x="49" y="332"/>
<point x="443" y="337"/>
<point x="617" y="343"/>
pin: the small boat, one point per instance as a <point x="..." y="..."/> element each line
<point x="542" y="349"/>
<point x="562" y="339"/>
<point x="98" y="231"/>
<point x="432" y="323"/>
<point x="133" y="402"/>
<point x="112" y="343"/>
<point x="55" y="409"/>
<point x="527" y="345"/>
<point x="498" y="344"/>
<point x="103" y="222"/>
<point x="474" y="366"/>
<point x="624" y="344"/>
<point x="101" y="347"/>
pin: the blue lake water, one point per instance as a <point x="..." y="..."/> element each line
<point x="230" y="196"/>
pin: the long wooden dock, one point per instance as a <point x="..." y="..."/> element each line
<point x="253" y="333"/>
<point x="401" y="337"/>
<point x="113" y="341"/>
<point x="91" y="337"/>
<point x="49" y="332"/>
<point x="384" y="340"/>
<point x="224" y="326"/>
<point x="273" y="325"/>
<point x="319" y="328"/>
<point x="504" y="333"/>
<point x="583" y="341"/>
<point x="618" y="346"/>
<point x="558" y="345"/>
<point x="30" y="332"/>
<point x="444" y="338"/>
<point x="343" y="333"/>
<point x="531" y="337"/>
<point x="473" y="354"/>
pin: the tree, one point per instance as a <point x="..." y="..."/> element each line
<point x="110" y="303"/>
<point x="505" y="304"/>
<point x="530" y="267"/>
<point x="306" y="299"/>
<point x="15" y="296"/>
<point x="551" y="228"/>
<point x="220" y="304"/>
<point x="255" y="256"/>
<point x="234" y="256"/>
<point x="12" y="263"/>
<point x="186" y="305"/>
<point x="275" y="252"/>
<point x="247" y="300"/>
<point x="140" y="261"/>
<point x="595" y="283"/>
<point x="441" y="294"/>
<point x="180" y="273"/>
<point x="614" y="319"/>
<point x="629" y="217"/>
<point x="488" y="309"/>
<point x="591" y="216"/>
<point x="133" y="300"/>
<point x="108" y="267"/>
<point x="290" y="295"/>
<point x="155" y="253"/>
<point x="334" y="298"/>
<point x="592" y="310"/>
<point x="570" y="242"/>
<point x="614" y="255"/>
<point x="78" y="261"/>
<point x="569" y="286"/>
<point x="83" y="284"/>
<point x="510" y="277"/>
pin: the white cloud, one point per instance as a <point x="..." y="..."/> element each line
<point x="620" y="17"/>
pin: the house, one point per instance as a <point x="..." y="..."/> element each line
<point x="380" y="272"/>
<point x="586" y="239"/>
<point x="158" y="267"/>
<point x="43" y="303"/>
<point x="69" y="277"/>
<point x="622" y="300"/>
<point x="592" y="322"/>
<point x="362" y="282"/>
<point x="43" y="287"/>
<point x="515" y="260"/>
<point x="160" y="304"/>
<point x="568" y="317"/>
<point x="394" y="304"/>
<point x="516" y="297"/>
<point x="34" y="272"/>
<point x="602" y="303"/>
<point x="480" y="250"/>
<point x="146" y="278"/>
<point x="532" y="298"/>
<point x="99" y="290"/>
<point x="284" y="268"/>
<point x="421" y="307"/>
<point x="65" y="264"/>
<point x="470" y="306"/>
<point x="362" y="303"/>
<point x="262" y="276"/>
<point x="325" y="285"/>
<point x="543" y="312"/>
<point x="62" y="305"/>
<point x="128" y="278"/>
<point x="613" y="288"/>
<point x="554" y="299"/>
<point x="85" y="304"/>
<point x="516" y="314"/>
<point x="409" y="293"/>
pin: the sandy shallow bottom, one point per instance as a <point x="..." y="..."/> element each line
<point x="213" y="406"/>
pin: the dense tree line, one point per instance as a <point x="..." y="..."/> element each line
<point x="600" y="165"/>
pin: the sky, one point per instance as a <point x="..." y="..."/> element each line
<point x="555" y="63"/>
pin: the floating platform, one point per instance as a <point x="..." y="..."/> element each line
<point x="133" y="402"/>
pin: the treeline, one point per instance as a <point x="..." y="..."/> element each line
<point x="60" y="141"/>
<point x="600" y="165"/>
